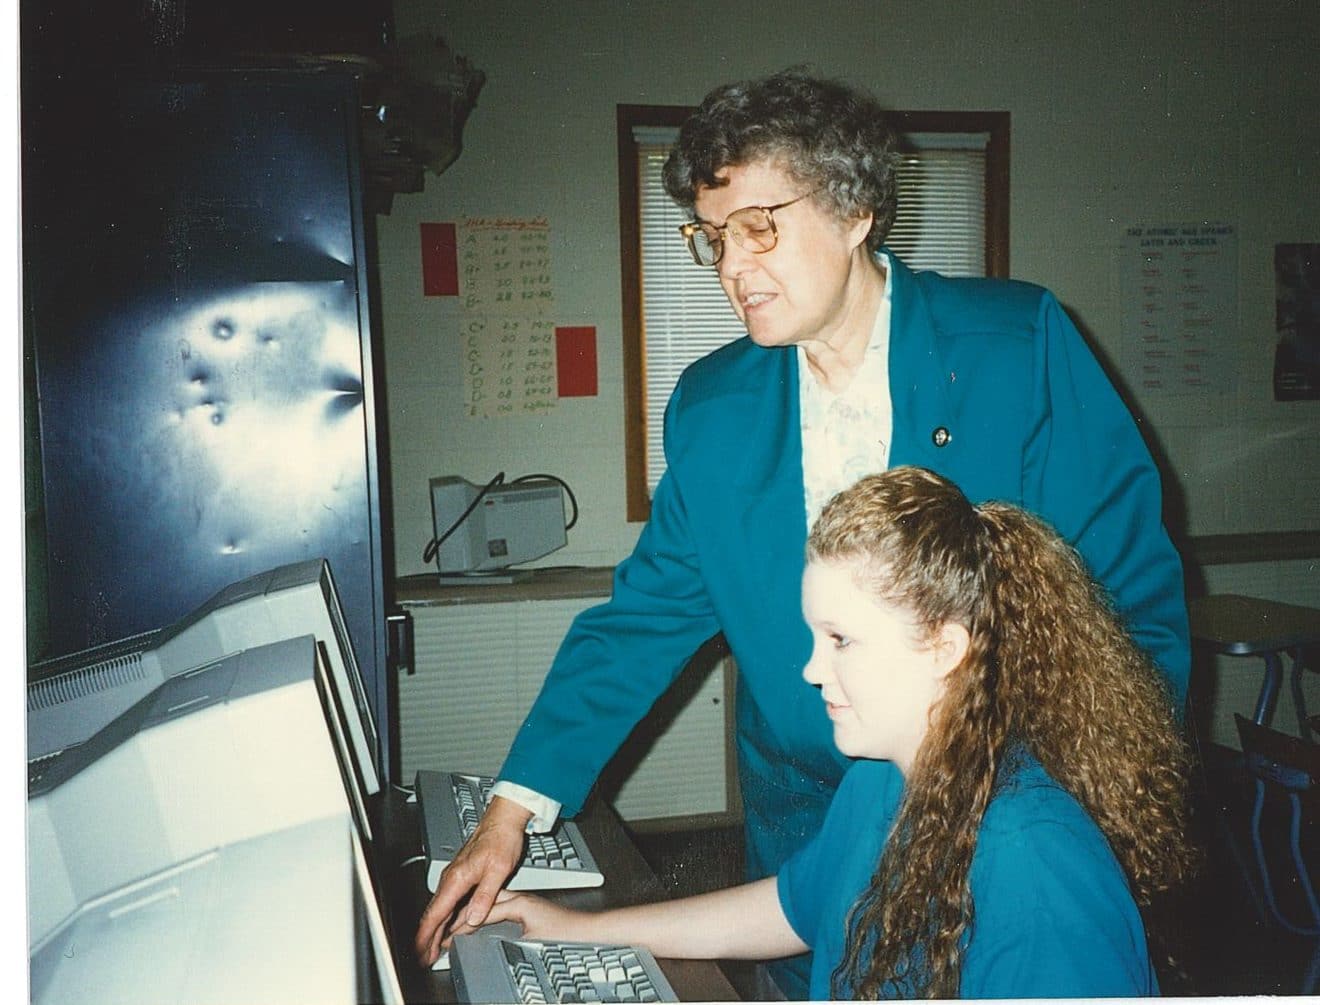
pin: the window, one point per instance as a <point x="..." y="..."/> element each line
<point x="952" y="217"/>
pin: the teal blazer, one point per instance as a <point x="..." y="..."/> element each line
<point x="993" y="387"/>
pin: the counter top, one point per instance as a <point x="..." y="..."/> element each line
<point x="551" y="583"/>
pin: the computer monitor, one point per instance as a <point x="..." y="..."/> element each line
<point x="482" y="529"/>
<point x="71" y="698"/>
<point x="206" y="846"/>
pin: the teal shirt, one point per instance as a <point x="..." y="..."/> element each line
<point x="1054" y="917"/>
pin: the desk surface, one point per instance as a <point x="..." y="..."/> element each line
<point x="554" y="583"/>
<point x="628" y="880"/>
<point x="1243" y="626"/>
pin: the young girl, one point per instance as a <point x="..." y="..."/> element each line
<point x="1039" y="798"/>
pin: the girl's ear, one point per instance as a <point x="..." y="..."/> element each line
<point x="950" y="646"/>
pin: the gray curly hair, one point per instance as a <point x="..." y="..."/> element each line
<point x="833" y="139"/>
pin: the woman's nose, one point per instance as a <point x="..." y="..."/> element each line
<point x="734" y="259"/>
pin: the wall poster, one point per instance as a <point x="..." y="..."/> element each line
<point x="1178" y="284"/>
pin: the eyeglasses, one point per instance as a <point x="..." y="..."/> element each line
<point x="752" y="227"/>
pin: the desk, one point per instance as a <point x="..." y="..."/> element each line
<point x="1247" y="626"/>
<point x="555" y="583"/>
<point x="628" y="880"/>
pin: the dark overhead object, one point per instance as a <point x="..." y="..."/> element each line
<point x="434" y="91"/>
<point x="415" y="96"/>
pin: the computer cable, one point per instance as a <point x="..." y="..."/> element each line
<point x="562" y="484"/>
<point x="433" y="546"/>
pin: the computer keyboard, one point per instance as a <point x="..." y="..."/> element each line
<point x="451" y="802"/>
<point x="489" y="968"/>
<point x="503" y="929"/>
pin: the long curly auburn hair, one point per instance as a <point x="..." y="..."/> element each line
<point x="1049" y="666"/>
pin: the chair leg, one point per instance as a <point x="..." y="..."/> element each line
<point x="1303" y="876"/>
<point x="1269" y="688"/>
<point x="1303" y="873"/>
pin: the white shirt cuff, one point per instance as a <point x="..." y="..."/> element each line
<point x="544" y="810"/>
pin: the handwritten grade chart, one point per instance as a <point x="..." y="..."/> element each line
<point x="507" y="312"/>
<point x="510" y="364"/>
<point x="1179" y="306"/>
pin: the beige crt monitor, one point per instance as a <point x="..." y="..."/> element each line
<point x="70" y="698"/>
<point x="205" y="846"/>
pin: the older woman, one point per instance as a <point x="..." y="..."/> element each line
<point x="852" y="363"/>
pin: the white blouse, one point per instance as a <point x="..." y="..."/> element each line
<point x="847" y="435"/>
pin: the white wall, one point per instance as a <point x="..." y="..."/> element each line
<point x="1123" y="113"/>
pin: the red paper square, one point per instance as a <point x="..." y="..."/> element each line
<point x="575" y="358"/>
<point x="439" y="259"/>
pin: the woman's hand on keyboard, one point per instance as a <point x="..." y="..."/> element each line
<point x="480" y="869"/>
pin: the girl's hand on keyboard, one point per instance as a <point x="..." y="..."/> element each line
<point x="482" y="866"/>
<point x="541" y="919"/>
